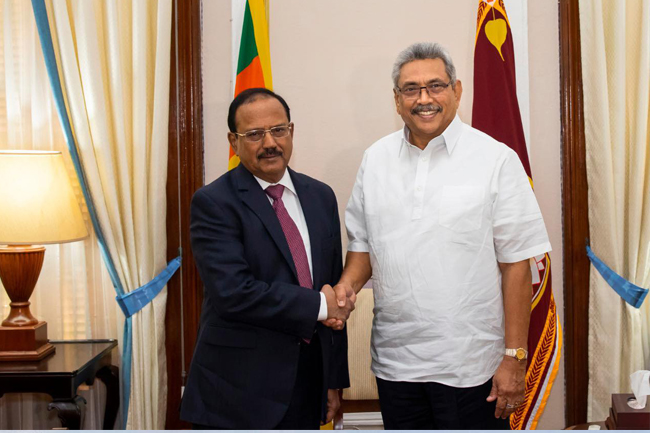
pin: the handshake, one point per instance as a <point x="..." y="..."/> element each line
<point x="340" y="303"/>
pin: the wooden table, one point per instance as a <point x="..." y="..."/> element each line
<point x="60" y="374"/>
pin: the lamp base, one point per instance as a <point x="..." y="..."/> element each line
<point x="27" y="343"/>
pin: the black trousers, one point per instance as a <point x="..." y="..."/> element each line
<point x="434" y="406"/>
<point x="304" y="412"/>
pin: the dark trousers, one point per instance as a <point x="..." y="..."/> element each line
<point x="433" y="406"/>
<point x="304" y="412"/>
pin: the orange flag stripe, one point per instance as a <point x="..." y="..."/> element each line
<point x="252" y="76"/>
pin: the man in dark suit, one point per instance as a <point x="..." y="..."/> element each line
<point x="265" y="240"/>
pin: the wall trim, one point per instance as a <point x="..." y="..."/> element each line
<point x="185" y="174"/>
<point x="575" y="216"/>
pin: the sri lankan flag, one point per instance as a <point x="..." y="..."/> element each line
<point x="496" y="112"/>
<point x="254" y="60"/>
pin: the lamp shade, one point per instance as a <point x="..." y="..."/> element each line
<point x="37" y="203"/>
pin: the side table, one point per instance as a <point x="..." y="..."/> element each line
<point x="74" y="362"/>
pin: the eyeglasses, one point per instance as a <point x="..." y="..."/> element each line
<point x="413" y="91"/>
<point x="255" y="135"/>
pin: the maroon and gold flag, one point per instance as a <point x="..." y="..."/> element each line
<point x="496" y="112"/>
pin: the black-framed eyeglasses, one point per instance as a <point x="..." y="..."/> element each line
<point x="255" y="135"/>
<point x="413" y="91"/>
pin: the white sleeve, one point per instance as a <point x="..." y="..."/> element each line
<point x="322" y="311"/>
<point x="355" y="220"/>
<point x="518" y="225"/>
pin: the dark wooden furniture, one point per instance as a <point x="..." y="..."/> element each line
<point x="59" y="375"/>
<point x="623" y="417"/>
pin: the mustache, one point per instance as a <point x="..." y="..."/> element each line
<point x="428" y="107"/>
<point x="268" y="153"/>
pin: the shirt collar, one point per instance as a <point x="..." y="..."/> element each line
<point x="449" y="136"/>
<point x="285" y="181"/>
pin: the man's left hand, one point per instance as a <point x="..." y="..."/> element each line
<point x="333" y="404"/>
<point x="508" y="387"/>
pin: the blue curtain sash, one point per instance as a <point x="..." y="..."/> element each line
<point x="632" y="294"/>
<point x="134" y="301"/>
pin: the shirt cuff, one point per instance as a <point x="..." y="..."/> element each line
<point x="524" y="255"/>
<point x="357" y="246"/>
<point x="322" y="311"/>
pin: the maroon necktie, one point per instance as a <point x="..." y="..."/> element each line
<point x="292" y="234"/>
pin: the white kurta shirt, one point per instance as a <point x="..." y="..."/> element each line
<point x="436" y="222"/>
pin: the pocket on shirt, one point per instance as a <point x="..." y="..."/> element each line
<point x="461" y="208"/>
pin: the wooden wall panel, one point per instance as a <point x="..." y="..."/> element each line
<point x="575" y="216"/>
<point x="184" y="177"/>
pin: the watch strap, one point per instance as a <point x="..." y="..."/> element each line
<point x="517" y="353"/>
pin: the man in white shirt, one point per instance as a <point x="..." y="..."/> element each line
<point x="266" y="240"/>
<point x="444" y="219"/>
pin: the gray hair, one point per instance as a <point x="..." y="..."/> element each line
<point x="424" y="51"/>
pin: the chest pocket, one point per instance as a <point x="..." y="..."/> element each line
<point x="461" y="208"/>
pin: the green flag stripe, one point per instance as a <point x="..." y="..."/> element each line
<point x="248" y="47"/>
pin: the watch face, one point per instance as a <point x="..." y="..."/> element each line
<point x="521" y="354"/>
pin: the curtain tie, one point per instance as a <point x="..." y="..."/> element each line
<point x="632" y="294"/>
<point x="134" y="301"/>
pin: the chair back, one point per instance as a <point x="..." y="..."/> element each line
<point x="363" y="385"/>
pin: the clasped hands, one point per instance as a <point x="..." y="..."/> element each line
<point x="340" y="303"/>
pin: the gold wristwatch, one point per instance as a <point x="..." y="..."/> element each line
<point x="519" y="354"/>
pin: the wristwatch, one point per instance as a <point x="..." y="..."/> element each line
<point x="519" y="354"/>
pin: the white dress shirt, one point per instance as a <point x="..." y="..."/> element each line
<point x="436" y="222"/>
<point x="292" y="204"/>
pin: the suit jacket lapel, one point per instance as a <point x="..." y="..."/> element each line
<point x="311" y="213"/>
<point x="256" y="199"/>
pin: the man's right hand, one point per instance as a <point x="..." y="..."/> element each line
<point x="344" y="293"/>
<point x="338" y="310"/>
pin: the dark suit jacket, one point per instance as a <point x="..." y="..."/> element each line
<point x="254" y="313"/>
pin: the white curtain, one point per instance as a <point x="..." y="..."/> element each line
<point x="615" y="43"/>
<point x="74" y="293"/>
<point x="115" y="64"/>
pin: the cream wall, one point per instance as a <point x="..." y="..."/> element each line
<point x="545" y="154"/>
<point x="331" y="61"/>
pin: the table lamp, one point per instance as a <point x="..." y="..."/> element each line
<point x="37" y="206"/>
